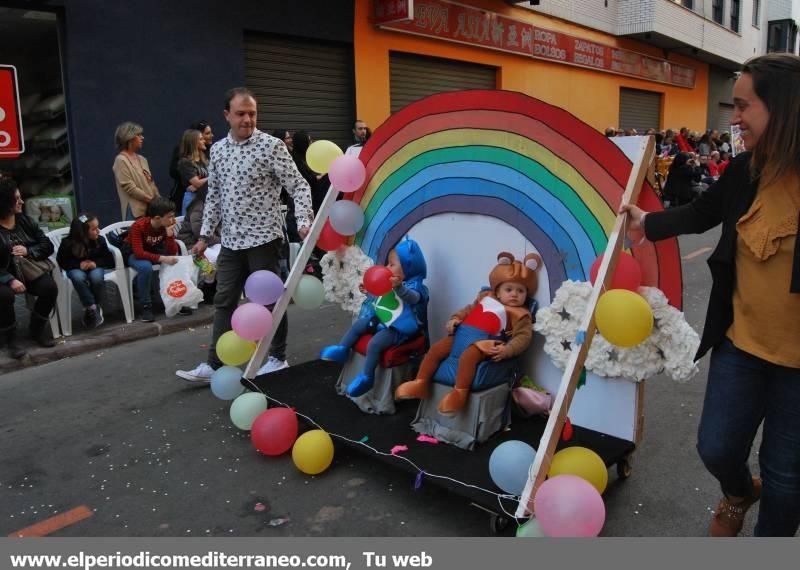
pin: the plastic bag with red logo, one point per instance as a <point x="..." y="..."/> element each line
<point x="178" y="285"/>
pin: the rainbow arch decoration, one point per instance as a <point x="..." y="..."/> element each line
<point x="504" y="154"/>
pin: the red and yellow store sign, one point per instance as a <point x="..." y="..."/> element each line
<point x="453" y="22"/>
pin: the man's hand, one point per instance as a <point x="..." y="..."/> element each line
<point x="199" y="247"/>
<point x="17" y="286"/>
<point x="635" y="229"/>
<point x="451" y="325"/>
<point x="19" y="250"/>
<point x="499" y="352"/>
<point x="168" y="259"/>
<point x="88" y="265"/>
<point x="303" y="232"/>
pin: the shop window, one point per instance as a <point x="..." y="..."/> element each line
<point x="736" y="10"/>
<point x="781" y="36"/>
<point x="717" y="9"/>
<point x="44" y="171"/>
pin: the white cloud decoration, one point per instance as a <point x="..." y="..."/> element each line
<point x="342" y="273"/>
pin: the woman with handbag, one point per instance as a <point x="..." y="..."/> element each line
<point x="135" y="185"/>
<point x="24" y="268"/>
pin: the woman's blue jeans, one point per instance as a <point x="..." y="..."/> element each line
<point x="144" y="276"/>
<point x="742" y="392"/>
<point x="90" y="285"/>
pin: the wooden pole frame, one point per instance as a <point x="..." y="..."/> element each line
<point x="572" y="372"/>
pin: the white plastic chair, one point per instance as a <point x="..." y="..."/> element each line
<point x="119" y="276"/>
<point x="130" y="272"/>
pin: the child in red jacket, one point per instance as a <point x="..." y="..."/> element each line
<point x="152" y="241"/>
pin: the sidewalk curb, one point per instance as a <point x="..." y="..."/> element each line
<point x="75" y="345"/>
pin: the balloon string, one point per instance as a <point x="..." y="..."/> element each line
<point x="499" y="496"/>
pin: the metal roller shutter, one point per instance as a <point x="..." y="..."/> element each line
<point x="302" y="85"/>
<point x="640" y="110"/>
<point x="413" y="77"/>
<point x="724" y="117"/>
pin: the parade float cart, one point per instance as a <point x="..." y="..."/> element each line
<point x="466" y="175"/>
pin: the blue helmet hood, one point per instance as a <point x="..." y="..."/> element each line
<point x="411" y="259"/>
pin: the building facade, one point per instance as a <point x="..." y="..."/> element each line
<point x="86" y="66"/>
<point x="782" y="18"/>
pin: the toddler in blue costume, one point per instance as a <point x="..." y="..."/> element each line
<point x="393" y="319"/>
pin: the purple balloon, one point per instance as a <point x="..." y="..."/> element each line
<point x="567" y="505"/>
<point x="347" y="173"/>
<point x="263" y="287"/>
<point x="251" y="321"/>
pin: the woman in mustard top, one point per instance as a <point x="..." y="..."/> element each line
<point x="753" y="320"/>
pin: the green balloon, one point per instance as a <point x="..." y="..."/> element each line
<point x="530" y="529"/>
<point x="246" y="408"/>
<point x="309" y="293"/>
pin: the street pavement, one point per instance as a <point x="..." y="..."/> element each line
<point x="150" y="455"/>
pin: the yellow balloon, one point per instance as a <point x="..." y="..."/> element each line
<point x="623" y="317"/>
<point x="313" y="452"/>
<point x="583" y="463"/>
<point x="233" y="350"/>
<point x="320" y="154"/>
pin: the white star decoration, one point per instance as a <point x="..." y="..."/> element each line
<point x="670" y="347"/>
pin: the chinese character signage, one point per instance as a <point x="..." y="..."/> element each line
<point x="464" y="24"/>
<point x="393" y="11"/>
<point x="11" y="141"/>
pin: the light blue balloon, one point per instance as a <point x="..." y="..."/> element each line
<point x="509" y="465"/>
<point x="346" y="217"/>
<point x="225" y="383"/>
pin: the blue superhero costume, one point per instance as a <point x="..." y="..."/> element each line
<point x="392" y="319"/>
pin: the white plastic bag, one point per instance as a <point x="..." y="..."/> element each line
<point x="177" y="285"/>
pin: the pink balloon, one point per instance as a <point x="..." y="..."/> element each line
<point x="567" y="505"/>
<point x="347" y="173"/>
<point x="251" y="321"/>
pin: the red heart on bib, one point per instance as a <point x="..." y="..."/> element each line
<point x="483" y="320"/>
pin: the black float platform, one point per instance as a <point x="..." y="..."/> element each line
<point x="309" y="389"/>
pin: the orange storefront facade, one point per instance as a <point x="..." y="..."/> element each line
<point x="536" y="58"/>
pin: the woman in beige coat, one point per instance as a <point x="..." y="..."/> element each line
<point x="135" y="184"/>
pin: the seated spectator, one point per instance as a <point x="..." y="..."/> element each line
<point x="85" y="257"/>
<point x="713" y="163"/>
<point x="24" y="250"/>
<point x="611" y="132"/>
<point x="192" y="166"/>
<point x="669" y="147"/>
<point x="725" y="142"/>
<point x="152" y="241"/>
<point x="682" y="180"/>
<point x="724" y="160"/>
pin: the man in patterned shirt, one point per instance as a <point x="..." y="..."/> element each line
<point x="247" y="171"/>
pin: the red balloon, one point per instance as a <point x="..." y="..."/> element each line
<point x="274" y="431"/>
<point x="628" y="274"/>
<point x="329" y="239"/>
<point x="378" y="280"/>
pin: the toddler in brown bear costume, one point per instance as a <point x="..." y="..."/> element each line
<point x="496" y="315"/>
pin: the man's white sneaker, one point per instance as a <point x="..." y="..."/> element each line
<point x="272" y="365"/>
<point x="201" y="375"/>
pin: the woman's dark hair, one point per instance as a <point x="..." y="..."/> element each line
<point x="8" y="196"/>
<point x="301" y="143"/>
<point x="199" y="125"/>
<point x="776" y="81"/>
<point x="160" y="207"/>
<point x="79" y="233"/>
<point x="280" y="133"/>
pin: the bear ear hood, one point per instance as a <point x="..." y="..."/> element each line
<point x="411" y="259"/>
<point x="511" y="270"/>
